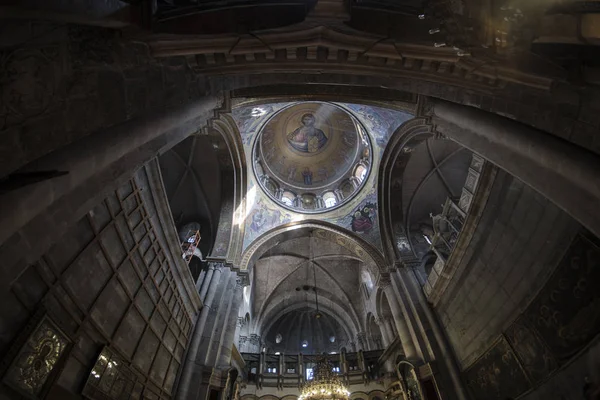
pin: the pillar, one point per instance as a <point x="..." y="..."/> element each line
<point x="228" y="336"/>
<point x="200" y="280"/>
<point x="206" y="281"/>
<point x="218" y="319"/>
<point x="568" y="175"/>
<point x="400" y="321"/>
<point x="190" y="362"/>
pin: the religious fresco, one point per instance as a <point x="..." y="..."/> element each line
<point x="310" y="145"/>
<point x="381" y="123"/>
<point x="563" y="318"/>
<point x="262" y="218"/>
<point x="249" y="119"/>
<point x="363" y="220"/>
<point x="497" y="374"/>
<point x="307" y="138"/>
<point x="537" y="360"/>
<point x="306" y="133"/>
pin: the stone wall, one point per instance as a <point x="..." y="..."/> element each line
<point x="511" y="275"/>
<point x="518" y="242"/>
<point x="115" y="279"/>
<point x="63" y="82"/>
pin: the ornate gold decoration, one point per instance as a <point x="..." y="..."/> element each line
<point x="37" y="359"/>
<point x="325" y="385"/>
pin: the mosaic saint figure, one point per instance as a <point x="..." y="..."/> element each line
<point x="307" y="175"/>
<point x="307" y="138"/>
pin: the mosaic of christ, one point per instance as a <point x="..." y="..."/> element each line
<point x="307" y="138"/>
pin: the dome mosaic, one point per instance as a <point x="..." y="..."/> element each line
<point x="312" y="157"/>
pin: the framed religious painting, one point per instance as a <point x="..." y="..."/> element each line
<point x="38" y="354"/>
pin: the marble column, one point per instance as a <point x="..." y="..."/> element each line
<point x="200" y="280"/>
<point x="229" y="329"/>
<point x="218" y="320"/>
<point x="400" y="321"/>
<point x="206" y="281"/>
<point x="192" y="354"/>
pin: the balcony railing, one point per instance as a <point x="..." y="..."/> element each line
<point x="291" y="370"/>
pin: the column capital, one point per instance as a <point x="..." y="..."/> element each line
<point x="384" y="281"/>
<point x="216" y="266"/>
<point x="242" y="281"/>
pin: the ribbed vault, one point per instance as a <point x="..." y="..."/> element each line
<point x="296" y="273"/>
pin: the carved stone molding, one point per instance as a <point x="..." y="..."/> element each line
<point x="326" y="48"/>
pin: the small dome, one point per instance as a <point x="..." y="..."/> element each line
<point x="312" y="157"/>
<point x="300" y="331"/>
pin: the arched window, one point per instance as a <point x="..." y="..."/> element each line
<point x="288" y="198"/>
<point x="360" y="172"/>
<point x="329" y="199"/>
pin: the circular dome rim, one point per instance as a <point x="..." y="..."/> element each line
<point x="313" y="190"/>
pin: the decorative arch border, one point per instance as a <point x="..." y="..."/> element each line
<point x="325" y="231"/>
<point x="405" y="134"/>
<point x="227" y="141"/>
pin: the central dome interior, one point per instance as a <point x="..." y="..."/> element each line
<point x="312" y="156"/>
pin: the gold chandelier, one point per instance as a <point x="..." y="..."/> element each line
<point x="325" y="384"/>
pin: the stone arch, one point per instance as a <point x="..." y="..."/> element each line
<point x="360" y="395"/>
<point x="384" y="310"/>
<point x="411" y="132"/>
<point x="323" y="230"/>
<point x="376" y="394"/>
<point x="227" y="141"/>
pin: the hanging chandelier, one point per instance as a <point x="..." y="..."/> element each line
<point x="325" y="384"/>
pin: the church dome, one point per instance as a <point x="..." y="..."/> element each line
<point x="312" y="157"/>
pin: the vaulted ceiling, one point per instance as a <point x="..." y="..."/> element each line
<point x="285" y="279"/>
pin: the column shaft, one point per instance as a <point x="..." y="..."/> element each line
<point x="206" y="282"/>
<point x="400" y="321"/>
<point x="229" y="329"/>
<point x="190" y="362"/>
